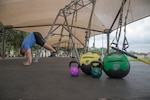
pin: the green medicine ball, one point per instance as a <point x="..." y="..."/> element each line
<point x="116" y="65"/>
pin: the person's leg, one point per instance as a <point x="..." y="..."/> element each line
<point x="49" y="47"/>
<point x="40" y="41"/>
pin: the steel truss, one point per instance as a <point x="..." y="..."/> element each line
<point x="69" y="9"/>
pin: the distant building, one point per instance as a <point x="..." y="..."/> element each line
<point x="148" y="55"/>
<point x="141" y="55"/>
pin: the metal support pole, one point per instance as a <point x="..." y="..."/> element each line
<point x="88" y="34"/>
<point x="108" y="41"/>
<point x="50" y="32"/>
<point x="70" y="34"/>
<point x="3" y="43"/>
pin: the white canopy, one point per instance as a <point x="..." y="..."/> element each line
<point x="39" y="15"/>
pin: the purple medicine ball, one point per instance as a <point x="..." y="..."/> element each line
<point x="74" y="71"/>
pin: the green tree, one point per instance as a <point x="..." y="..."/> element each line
<point x="98" y="50"/>
<point x="14" y="39"/>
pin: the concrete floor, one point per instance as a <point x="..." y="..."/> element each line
<point x="49" y="79"/>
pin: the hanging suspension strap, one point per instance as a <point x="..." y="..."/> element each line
<point x="125" y="41"/>
<point x="118" y="31"/>
<point x="115" y="41"/>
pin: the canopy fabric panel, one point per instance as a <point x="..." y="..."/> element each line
<point x="23" y="14"/>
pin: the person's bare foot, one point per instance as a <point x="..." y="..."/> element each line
<point x="26" y="63"/>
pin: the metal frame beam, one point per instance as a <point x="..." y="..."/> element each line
<point x="83" y="28"/>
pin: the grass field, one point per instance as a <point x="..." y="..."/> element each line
<point x="132" y="59"/>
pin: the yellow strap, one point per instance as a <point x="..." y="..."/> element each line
<point x="143" y="60"/>
<point x="140" y="59"/>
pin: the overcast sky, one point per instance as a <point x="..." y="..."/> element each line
<point x="138" y="35"/>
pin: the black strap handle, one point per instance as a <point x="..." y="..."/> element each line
<point x="71" y="62"/>
<point x="99" y="62"/>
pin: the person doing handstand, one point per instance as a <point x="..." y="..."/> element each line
<point x="28" y="43"/>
